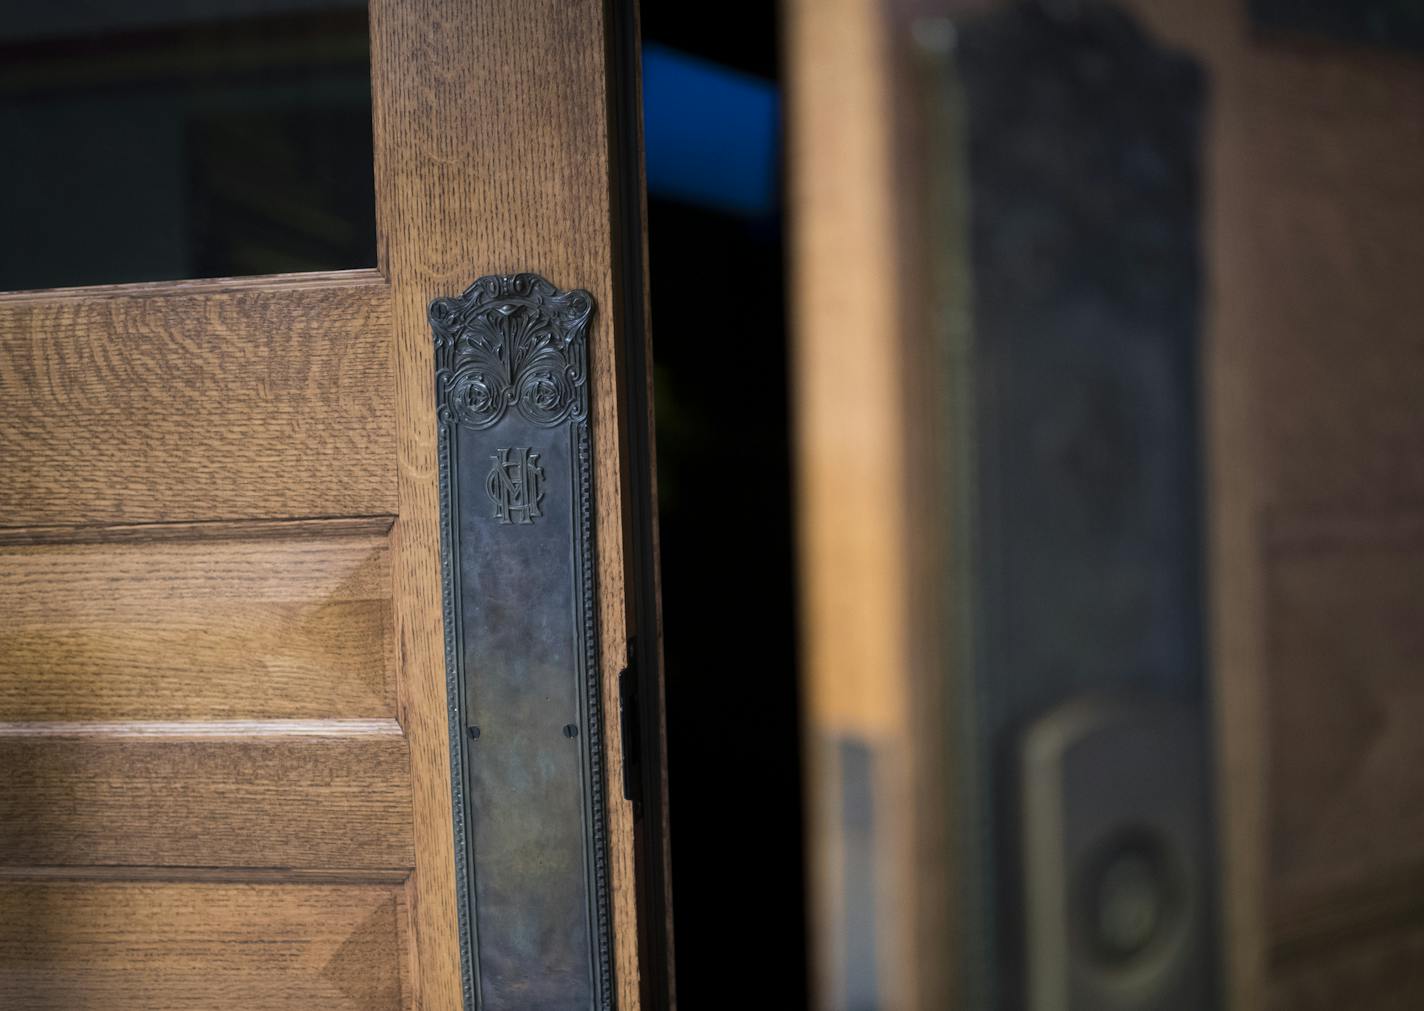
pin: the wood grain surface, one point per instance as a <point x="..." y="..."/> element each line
<point x="855" y="555"/>
<point x="248" y="624"/>
<point x="255" y="398"/>
<point x="222" y="691"/>
<point x="491" y="139"/>
<point x="155" y="946"/>
<point x="322" y="794"/>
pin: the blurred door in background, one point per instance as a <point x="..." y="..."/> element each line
<point x="224" y="732"/>
<point x="1108" y="388"/>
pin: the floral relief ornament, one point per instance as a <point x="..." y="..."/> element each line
<point x="511" y="341"/>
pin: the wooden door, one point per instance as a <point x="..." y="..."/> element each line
<point x="1309" y="212"/>
<point x="1312" y="389"/>
<point x="223" y="722"/>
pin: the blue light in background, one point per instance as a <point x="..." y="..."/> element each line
<point x="711" y="134"/>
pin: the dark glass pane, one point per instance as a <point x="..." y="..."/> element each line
<point x="183" y="138"/>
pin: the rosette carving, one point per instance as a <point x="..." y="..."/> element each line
<point x="511" y="341"/>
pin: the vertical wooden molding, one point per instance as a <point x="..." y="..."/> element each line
<point x="633" y="311"/>
<point x="847" y="341"/>
<point x="492" y="156"/>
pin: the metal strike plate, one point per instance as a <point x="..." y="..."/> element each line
<point x="511" y="394"/>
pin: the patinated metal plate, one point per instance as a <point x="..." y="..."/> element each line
<point x="511" y="390"/>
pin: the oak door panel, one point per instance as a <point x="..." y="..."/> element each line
<point x="329" y="794"/>
<point x="1345" y="759"/>
<point x="258" y="624"/>
<point x="186" y="946"/>
<point x="259" y="398"/>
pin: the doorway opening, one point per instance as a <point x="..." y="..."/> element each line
<point x="711" y="93"/>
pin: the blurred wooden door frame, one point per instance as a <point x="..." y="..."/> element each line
<point x="880" y="858"/>
<point x="1311" y="228"/>
<point x="265" y="468"/>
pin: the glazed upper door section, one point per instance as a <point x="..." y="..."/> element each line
<point x="169" y="140"/>
<point x="223" y="711"/>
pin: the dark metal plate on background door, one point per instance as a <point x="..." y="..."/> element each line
<point x="1070" y="190"/>
<point x="511" y="393"/>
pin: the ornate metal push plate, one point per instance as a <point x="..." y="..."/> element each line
<point x="511" y="393"/>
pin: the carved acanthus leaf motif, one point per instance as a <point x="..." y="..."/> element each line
<point x="511" y="340"/>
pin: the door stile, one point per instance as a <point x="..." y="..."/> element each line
<point x="492" y="156"/>
<point x="642" y="696"/>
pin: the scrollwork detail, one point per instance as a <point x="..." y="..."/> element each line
<point x="511" y="341"/>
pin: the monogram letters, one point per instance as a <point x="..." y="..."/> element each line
<point x="516" y="485"/>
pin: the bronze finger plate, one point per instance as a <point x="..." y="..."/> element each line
<point x="511" y="394"/>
